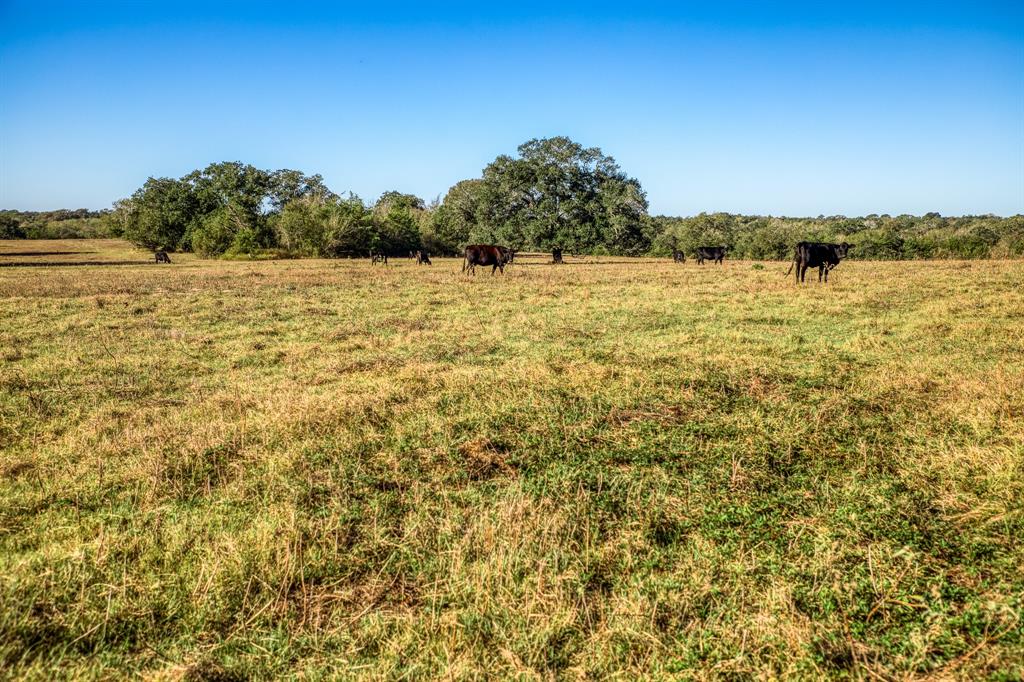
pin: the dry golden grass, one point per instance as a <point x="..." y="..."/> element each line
<point x="625" y="468"/>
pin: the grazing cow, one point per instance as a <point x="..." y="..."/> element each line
<point x="378" y="258"/>
<point x="423" y="258"/>
<point x="678" y="256"/>
<point x="162" y="257"/>
<point x="817" y="255"/>
<point x="711" y="253"/>
<point x="486" y="254"/>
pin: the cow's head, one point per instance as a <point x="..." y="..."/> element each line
<point x="843" y="249"/>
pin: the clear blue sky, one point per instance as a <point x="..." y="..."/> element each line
<point x="796" y="109"/>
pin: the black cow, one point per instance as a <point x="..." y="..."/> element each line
<point x="423" y="258"/>
<point x="162" y="257"/>
<point x="678" y="256"/>
<point x="486" y="254"/>
<point x="378" y="258"/>
<point x="711" y="253"/>
<point x="817" y="255"/>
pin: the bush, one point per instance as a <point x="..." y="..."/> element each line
<point x="213" y="234"/>
<point x="10" y="227"/>
<point x="301" y="227"/>
<point x="882" y="244"/>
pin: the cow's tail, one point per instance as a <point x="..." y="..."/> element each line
<point x="796" y="258"/>
<point x="465" y="263"/>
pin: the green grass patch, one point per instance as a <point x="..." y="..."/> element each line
<point x="230" y="470"/>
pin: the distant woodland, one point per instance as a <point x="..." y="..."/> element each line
<point x="554" y="193"/>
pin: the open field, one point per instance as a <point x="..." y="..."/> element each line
<point x="322" y="468"/>
<point x="71" y="252"/>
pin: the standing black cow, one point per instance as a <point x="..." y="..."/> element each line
<point x="486" y="254"/>
<point x="556" y="256"/>
<point x="817" y="255"/>
<point x="678" y="256"/>
<point x="711" y="253"/>
<point x="162" y="257"/>
<point x="378" y="257"/>
<point x="423" y="258"/>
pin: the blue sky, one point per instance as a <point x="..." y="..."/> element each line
<point x="783" y="109"/>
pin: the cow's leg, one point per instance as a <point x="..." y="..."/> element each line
<point x="821" y="270"/>
<point x="803" y="272"/>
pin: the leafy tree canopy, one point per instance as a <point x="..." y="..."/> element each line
<point x="554" y="193"/>
<point x="557" y="193"/>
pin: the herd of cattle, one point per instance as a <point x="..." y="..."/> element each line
<point x="821" y="255"/>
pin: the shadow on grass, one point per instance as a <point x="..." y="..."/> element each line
<point x="64" y="263"/>
<point x="42" y="253"/>
<point x="588" y="262"/>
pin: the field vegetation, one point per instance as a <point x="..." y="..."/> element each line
<point x="614" y="468"/>
<point x="552" y="194"/>
<point x="60" y="224"/>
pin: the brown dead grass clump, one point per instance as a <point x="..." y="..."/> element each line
<point x="483" y="459"/>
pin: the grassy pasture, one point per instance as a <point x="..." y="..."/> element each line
<point x="608" y="469"/>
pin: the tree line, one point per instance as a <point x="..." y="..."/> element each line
<point x="553" y="194"/>
<point x="875" y="237"/>
<point x="78" y="223"/>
